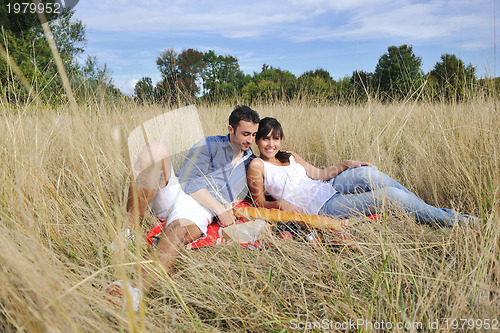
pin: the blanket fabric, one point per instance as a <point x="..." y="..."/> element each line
<point x="214" y="232"/>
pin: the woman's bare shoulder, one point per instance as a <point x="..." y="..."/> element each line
<point x="257" y="163"/>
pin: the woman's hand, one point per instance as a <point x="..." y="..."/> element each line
<point x="285" y="205"/>
<point x="351" y="164"/>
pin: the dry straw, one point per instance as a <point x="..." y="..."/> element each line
<point x="62" y="185"/>
<point x="62" y="200"/>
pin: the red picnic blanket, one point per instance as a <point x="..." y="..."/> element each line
<point x="213" y="237"/>
<point x="214" y="232"/>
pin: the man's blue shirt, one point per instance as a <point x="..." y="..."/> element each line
<point x="208" y="165"/>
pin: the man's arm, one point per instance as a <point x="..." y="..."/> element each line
<point x="194" y="177"/>
<point x="206" y="199"/>
<point x="195" y="167"/>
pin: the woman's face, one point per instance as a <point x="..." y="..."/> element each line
<point x="269" y="145"/>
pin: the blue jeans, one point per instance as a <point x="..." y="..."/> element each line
<point x="368" y="191"/>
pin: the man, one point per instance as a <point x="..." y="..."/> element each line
<point x="212" y="176"/>
<point x="214" y="171"/>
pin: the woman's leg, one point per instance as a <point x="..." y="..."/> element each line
<point x="390" y="198"/>
<point x="364" y="179"/>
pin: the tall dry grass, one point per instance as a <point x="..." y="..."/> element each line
<point x="62" y="200"/>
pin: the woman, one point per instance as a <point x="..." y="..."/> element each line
<point x="346" y="189"/>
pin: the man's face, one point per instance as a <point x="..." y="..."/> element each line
<point x="243" y="135"/>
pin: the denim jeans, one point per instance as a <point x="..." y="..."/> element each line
<point x="367" y="191"/>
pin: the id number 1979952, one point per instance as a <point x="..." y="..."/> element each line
<point x="33" y="8"/>
<point x="472" y="324"/>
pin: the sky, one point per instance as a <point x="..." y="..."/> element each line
<point x="339" y="36"/>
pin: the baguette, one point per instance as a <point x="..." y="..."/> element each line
<point x="276" y="215"/>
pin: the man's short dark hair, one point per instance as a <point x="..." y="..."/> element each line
<point x="243" y="112"/>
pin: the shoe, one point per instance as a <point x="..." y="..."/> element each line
<point x="462" y="219"/>
<point x="115" y="293"/>
<point x="472" y="221"/>
<point x="127" y="236"/>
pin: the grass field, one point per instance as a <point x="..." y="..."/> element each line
<point x="62" y="189"/>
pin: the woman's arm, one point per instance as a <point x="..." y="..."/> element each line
<point x="330" y="172"/>
<point x="255" y="180"/>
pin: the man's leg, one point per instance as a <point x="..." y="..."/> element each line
<point x="151" y="172"/>
<point x="174" y="237"/>
<point x="172" y="241"/>
<point x="364" y="179"/>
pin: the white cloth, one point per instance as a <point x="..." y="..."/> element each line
<point x="172" y="203"/>
<point x="292" y="184"/>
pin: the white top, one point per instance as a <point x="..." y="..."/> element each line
<point x="292" y="184"/>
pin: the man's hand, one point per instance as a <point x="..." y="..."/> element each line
<point x="223" y="213"/>
<point x="226" y="219"/>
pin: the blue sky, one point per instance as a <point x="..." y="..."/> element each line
<point x="296" y="35"/>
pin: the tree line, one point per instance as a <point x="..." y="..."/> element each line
<point x="191" y="74"/>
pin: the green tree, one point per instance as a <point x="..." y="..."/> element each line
<point x="69" y="35"/>
<point x="168" y="88"/>
<point x="451" y="78"/>
<point x="270" y="90"/>
<point x="190" y="64"/>
<point x="362" y="85"/>
<point x="250" y="92"/>
<point x="275" y="83"/>
<point x="96" y="82"/>
<point x="398" y="73"/>
<point x="317" y="84"/>
<point x="318" y="72"/>
<point x="144" y="90"/>
<point x="180" y="74"/>
<point x="222" y="76"/>
<point x="344" y="91"/>
<point x="30" y="51"/>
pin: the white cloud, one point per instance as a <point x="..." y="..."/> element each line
<point x="320" y="6"/>
<point x="227" y="18"/>
<point x="127" y="87"/>
<point x="296" y="20"/>
<point x="405" y="20"/>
